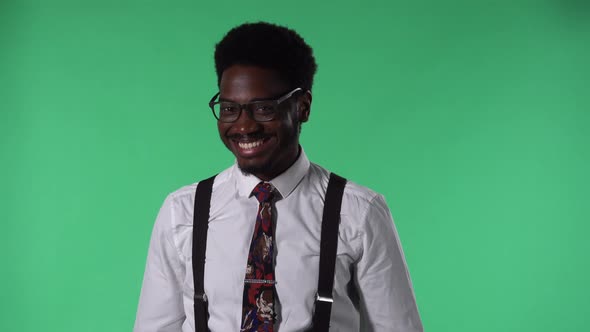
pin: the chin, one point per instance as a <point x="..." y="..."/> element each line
<point x="254" y="169"/>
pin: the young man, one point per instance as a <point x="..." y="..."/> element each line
<point x="265" y="217"/>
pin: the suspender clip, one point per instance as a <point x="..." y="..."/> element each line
<point x="320" y="298"/>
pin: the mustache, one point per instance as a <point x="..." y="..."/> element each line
<point x="248" y="137"/>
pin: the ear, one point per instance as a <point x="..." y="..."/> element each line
<point x="304" y="106"/>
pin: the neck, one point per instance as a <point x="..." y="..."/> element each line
<point x="269" y="175"/>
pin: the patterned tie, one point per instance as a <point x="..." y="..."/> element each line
<point x="259" y="291"/>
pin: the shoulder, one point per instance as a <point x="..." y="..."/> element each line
<point x="356" y="198"/>
<point x="188" y="191"/>
<point x="182" y="200"/>
<point x="364" y="212"/>
<point x="175" y="218"/>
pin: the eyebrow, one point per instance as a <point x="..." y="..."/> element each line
<point x="253" y="100"/>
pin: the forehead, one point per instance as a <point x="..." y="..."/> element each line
<point x="244" y="83"/>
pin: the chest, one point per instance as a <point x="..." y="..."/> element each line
<point x="297" y="226"/>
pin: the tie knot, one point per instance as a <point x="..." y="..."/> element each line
<point x="264" y="192"/>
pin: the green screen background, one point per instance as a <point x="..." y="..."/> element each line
<point x="471" y="117"/>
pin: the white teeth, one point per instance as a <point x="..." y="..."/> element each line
<point x="249" y="145"/>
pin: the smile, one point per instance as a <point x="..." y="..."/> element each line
<point x="249" y="145"/>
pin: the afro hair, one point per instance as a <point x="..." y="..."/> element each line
<point x="269" y="46"/>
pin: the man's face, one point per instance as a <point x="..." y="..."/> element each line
<point x="264" y="149"/>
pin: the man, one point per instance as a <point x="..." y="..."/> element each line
<point x="262" y="255"/>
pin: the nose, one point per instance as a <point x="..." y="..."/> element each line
<point x="245" y="124"/>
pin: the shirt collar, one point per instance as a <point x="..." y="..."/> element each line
<point x="285" y="183"/>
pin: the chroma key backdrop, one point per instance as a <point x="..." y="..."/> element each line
<point x="472" y="118"/>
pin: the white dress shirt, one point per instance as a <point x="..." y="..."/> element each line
<point x="372" y="288"/>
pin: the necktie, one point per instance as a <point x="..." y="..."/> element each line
<point x="259" y="291"/>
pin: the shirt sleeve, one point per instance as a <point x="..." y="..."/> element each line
<point x="382" y="279"/>
<point x="160" y="306"/>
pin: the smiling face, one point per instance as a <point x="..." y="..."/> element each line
<point x="264" y="149"/>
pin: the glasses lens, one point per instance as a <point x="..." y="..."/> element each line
<point x="260" y="111"/>
<point x="263" y="111"/>
<point x="226" y="112"/>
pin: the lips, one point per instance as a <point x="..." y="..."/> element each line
<point x="250" y="147"/>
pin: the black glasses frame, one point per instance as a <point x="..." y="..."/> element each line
<point x="249" y="106"/>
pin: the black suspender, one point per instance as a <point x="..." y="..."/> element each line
<point x="328" y="249"/>
<point x="200" y="225"/>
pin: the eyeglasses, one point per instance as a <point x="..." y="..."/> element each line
<point x="260" y="111"/>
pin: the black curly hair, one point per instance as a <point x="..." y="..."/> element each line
<point x="268" y="46"/>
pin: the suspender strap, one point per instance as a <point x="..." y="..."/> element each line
<point x="200" y="225"/>
<point x="328" y="249"/>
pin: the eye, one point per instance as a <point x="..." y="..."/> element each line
<point x="228" y="109"/>
<point x="264" y="109"/>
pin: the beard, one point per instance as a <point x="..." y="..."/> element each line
<point x="286" y="142"/>
<point x="262" y="169"/>
<point x="249" y="170"/>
